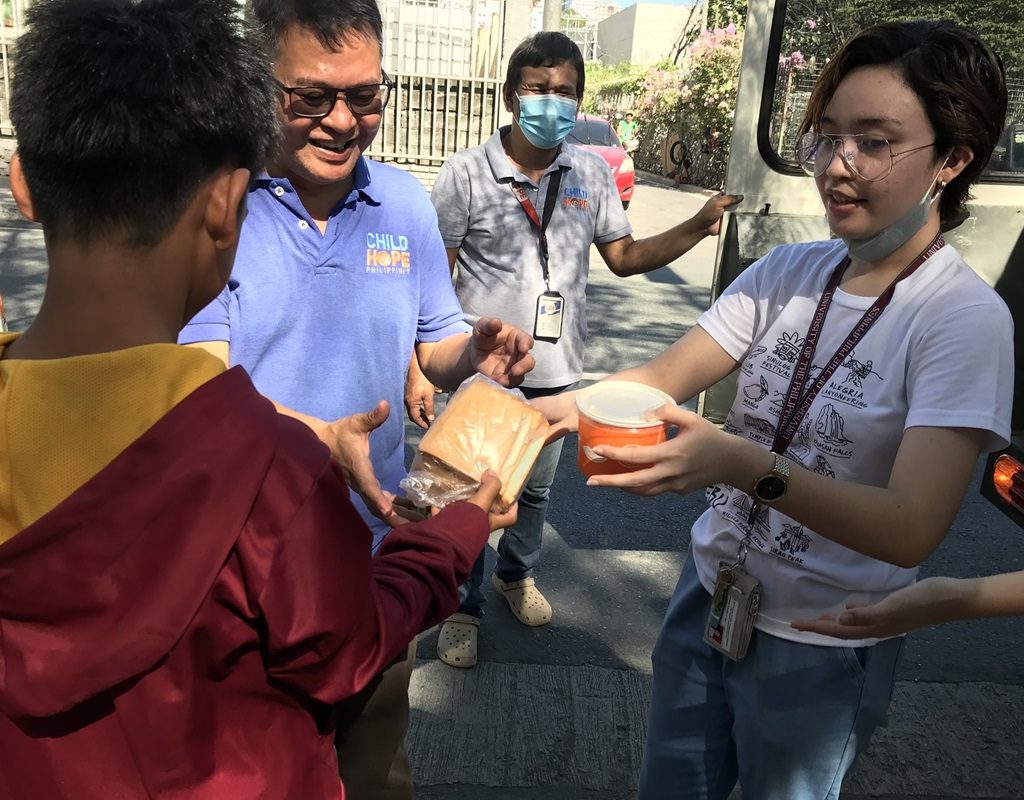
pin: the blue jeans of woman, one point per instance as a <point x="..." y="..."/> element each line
<point x="787" y="722"/>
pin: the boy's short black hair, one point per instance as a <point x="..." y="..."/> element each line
<point x="544" y="49"/>
<point x="123" y="108"/>
<point x="331" y="21"/>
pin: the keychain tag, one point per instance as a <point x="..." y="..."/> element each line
<point x="548" y="322"/>
<point x="734" y="607"/>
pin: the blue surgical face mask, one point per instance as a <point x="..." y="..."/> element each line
<point x="546" y="119"/>
<point x="892" y="237"/>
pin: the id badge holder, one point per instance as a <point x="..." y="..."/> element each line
<point x="547" y="326"/>
<point x="734" y="607"/>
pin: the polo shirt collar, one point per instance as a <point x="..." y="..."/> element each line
<point x="362" y="184"/>
<point x="502" y="167"/>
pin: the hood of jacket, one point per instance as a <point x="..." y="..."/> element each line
<point x="96" y="593"/>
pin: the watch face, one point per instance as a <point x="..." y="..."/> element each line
<point x="770" y="488"/>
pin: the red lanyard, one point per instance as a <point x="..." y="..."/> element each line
<point x="798" y="401"/>
<point x="554" y="181"/>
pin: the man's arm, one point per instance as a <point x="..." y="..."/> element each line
<point x="500" y="352"/>
<point x="628" y="256"/>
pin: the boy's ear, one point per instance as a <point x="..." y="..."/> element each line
<point x="224" y="206"/>
<point x="19" y="188"/>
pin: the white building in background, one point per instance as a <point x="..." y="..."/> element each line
<point x="642" y="34"/>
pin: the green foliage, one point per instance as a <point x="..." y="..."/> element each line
<point x="659" y="106"/>
<point x="611" y="88"/>
<point x="998" y="23"/>
<point x="723" y="13"/>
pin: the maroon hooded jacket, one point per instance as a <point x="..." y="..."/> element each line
<point x="180" y="626"/>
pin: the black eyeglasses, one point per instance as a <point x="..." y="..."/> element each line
<point x="316" y="102"/>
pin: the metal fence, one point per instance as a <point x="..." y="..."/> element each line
<point x="432" y="116"/>
<point x="12" y="22"/>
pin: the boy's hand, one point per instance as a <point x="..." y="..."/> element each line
<point x="709" y="218"/>
<point x="348" y="439"/>
<point x="490" y="486"/>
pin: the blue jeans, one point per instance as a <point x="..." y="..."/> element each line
<point x="519" y="546"/>
<point x="787" y="722"/>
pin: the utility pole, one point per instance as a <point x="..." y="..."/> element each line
<point x="552" y="15"/>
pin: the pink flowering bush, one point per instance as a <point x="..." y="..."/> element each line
<point x="706" y="122"/>
<point x="695" y="100"/>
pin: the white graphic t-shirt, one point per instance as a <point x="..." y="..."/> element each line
<point x="940" y="355"/>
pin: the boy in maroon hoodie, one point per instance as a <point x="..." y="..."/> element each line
<point x="185" y="586"/>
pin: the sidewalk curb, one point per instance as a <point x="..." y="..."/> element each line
<point x="669" y="183"/>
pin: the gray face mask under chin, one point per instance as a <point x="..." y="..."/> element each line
<point x="892" y="237"/>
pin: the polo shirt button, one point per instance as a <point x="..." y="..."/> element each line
<point x="303" y="224"/>
<point x="279" y="190"/>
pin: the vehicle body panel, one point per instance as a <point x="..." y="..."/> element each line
<point x="597" y="135"/>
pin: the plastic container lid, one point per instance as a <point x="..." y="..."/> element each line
<point x="622" y="404"/>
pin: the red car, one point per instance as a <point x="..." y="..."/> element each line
<point x="594" y="133"/>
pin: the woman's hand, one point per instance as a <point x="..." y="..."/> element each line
<point x="696" y="457"/>
<point x="560" y="412"/>
<point x="926" y="602"/>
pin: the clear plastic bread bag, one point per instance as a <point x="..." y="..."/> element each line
<point x="484" y="426"/>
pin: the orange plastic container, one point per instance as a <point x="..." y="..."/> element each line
<point x="617" y="413"/>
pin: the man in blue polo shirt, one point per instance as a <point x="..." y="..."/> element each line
<point x="340" y="274"/>
<point x="518" y="215"/>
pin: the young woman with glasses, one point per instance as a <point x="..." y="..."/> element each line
<point x="873" y="370"/>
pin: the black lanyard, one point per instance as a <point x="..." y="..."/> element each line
<point x="554" y="181"/>
<point x="798" y="401"/>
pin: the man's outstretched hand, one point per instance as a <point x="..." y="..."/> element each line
<point x="500" y="351"/>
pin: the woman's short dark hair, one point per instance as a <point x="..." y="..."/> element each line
<point x="958" y="78"/>
<point x="123" y="108"/>
<point x="544" y="49"/>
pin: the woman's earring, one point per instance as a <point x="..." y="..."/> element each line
<point x="940" y="186"/>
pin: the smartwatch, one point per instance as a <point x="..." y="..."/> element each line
<point x="770" y="488"/>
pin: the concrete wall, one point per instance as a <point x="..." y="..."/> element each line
<point x="615" y="36"/>
<point x="642" y="34"/>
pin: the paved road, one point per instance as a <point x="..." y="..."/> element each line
<point x="557" y="713"/>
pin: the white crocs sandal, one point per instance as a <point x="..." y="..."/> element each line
<point x="525" y="600"/>
<point x="457" y="641"/>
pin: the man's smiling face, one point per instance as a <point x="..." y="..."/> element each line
<point x="322" y="152"/>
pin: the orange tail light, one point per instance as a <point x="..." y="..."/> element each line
<point x="1008" y="480"/>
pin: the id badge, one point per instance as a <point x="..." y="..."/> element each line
<point x="548" y="323"/>
<point x="734" y="607"/>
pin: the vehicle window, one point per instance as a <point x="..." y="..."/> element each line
<point x="813" y="31"/>
<point x="589" y="130"/>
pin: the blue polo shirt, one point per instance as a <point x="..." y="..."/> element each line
<point x="325" y="324"/>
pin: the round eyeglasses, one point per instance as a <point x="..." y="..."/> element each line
<point x="866" y="155"/>
<point x="316" y="102"/>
